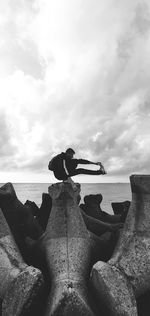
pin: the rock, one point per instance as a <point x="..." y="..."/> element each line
<point x="67" y="250"/>
<point x="18" y="216"/>
<point x="20" y="284"/>
<point x="7" y="192"/>
<point x="99" y="227"/>
<point x="92" y="208"/>
<point x="92" y="200"/>
<point x="126" y="276"/>
<point x="32" y="207"/>
<point x="44" y="211"/>
<point x="121" y="208"/>
<point x="143" y="304"/>
<point x="103" y="246"/>
<point x="113" y="289"/>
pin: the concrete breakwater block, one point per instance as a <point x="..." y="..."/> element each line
<point x="92" y="208"/>
<point x="67" y="247"/>
<point x="20" y="284"/>
<point x="121" y="208"/>
<point x="19" y="217"/>
<point x="126" y="276"/>
<point x="44" y="210"/>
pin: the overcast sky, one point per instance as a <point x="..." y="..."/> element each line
<point x="74" y="73"/>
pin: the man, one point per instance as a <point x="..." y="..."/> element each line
<point x="64" y="166"/>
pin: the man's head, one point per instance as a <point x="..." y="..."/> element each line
<point x="70" y="153"/>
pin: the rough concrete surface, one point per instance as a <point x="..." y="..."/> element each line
<point x="19" y="283"/>
<point x="68" y="253"/>
<point x="130" y="263"/>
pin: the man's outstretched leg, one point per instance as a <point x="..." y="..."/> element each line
<point x="89" y="172"/>
<point x="84" y="171"/>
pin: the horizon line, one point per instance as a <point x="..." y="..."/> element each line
<point x="120" y="182"/>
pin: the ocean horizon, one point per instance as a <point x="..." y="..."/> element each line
<point x="111" y="192"/>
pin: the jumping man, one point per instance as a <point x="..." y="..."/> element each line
<point x="64" y="166"/>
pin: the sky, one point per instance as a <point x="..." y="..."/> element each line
<point x="74" y="73"/>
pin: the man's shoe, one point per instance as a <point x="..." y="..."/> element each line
<point x="102" y="168"/>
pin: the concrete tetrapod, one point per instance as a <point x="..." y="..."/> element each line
<point x="68" y="254"/>
<point x="19" y="283"/>
<point x="19" y="217"/>
<point x="92" y="208"/>
<point x="127" y="274"/>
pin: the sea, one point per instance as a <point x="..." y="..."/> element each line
<point x="111" y="192"/>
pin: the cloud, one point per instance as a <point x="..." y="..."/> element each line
<point x="7" y="148"/>
<point x="17" y="49"/>
<point x="76" y="74"/>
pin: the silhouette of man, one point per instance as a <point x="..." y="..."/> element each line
<point x="64" y="166"/>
